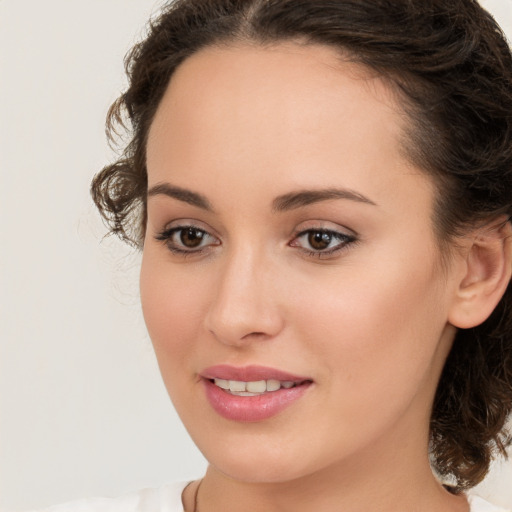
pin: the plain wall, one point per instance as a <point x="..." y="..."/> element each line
<point x="83" y="411"/>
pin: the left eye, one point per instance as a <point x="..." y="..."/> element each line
<point x="321" y="241"/>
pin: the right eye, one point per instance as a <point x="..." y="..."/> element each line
<point x="187" y="239"/>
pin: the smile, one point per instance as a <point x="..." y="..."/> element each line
<point x="253" y="388"/>
<point x="252" y="393"/>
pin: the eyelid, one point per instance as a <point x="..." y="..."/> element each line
<point x="188" y="222"/>
<point x="324" y="225"/>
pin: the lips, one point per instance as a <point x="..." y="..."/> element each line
<point x="251" y="393"/>
<point x="249" y="373"/>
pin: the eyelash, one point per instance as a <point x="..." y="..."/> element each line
<point x="343" y="239"/>
<point x="167" y="235"/>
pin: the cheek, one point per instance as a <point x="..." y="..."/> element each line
<point x="377" y="331"/>
<point x="173" y="307"/>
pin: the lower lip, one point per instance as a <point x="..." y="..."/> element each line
<point x="252" y="408"/>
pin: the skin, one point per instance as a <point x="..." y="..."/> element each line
<point x="369" y="324"/>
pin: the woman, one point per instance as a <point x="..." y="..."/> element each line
<point x="322" y="192"/>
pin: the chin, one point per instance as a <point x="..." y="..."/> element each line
<point x="260" y="458"/>
<point x="268" y="472"/>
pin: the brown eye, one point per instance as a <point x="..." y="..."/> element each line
<point x="191" y="237"/>
<point x="187" y="240"/>
<point x="322" y="242"/>
<point x="319" y="240"/>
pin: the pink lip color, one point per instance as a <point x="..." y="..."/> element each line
<point x="249" y="373"/>
<point x="251" y="408"/>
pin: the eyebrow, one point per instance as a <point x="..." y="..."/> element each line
<point x="181" y="194"/>
<point x="306" y="197"/>
<point x="281" y="203"/>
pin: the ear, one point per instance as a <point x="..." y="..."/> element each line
<point x="487" y="272"/>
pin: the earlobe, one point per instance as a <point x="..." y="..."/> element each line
<point x="488" y="269"/>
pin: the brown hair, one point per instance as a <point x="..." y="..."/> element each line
<point x="453" y="69"/>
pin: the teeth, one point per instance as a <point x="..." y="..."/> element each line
<point x="236" y="385"/>
<point x="224" y="384"/>
<point x="259" y="386"/>
<point x="273" y="385"/>
<point x="253" y="388"/>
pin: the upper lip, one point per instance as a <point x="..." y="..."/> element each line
<point x="249" y="373"/>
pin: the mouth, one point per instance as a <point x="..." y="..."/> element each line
<point x="252" y="393"/>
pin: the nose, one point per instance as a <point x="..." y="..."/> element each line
<point x="244" y="307"/>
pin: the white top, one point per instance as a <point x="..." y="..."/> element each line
<point x="168" y="499"/>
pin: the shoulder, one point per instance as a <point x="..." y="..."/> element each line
<point x="166" y="498"/>
<point x="478" y="504"/>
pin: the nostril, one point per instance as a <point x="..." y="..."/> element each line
<point x="255" y="335"/>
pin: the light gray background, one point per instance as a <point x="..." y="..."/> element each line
<point x="82" y="408"/>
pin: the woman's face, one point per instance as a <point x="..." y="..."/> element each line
<point x="290" y="241"/>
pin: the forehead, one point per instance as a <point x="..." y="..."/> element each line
<point x="289" y="114"/>
<point x="246" y="93"/>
